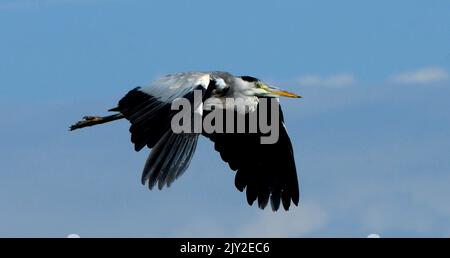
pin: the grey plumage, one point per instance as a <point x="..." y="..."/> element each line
<point x="148" y="110"/>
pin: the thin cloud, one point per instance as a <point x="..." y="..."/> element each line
<point x="332" y="81"/>
<point x="305" y="219"/>
<point x="421" y="76"/>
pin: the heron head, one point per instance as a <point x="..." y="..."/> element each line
<point x="258" y="88"/>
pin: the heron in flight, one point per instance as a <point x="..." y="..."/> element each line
<point x="265" y="171"/>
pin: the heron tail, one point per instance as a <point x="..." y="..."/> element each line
<point x="95" y="120"/>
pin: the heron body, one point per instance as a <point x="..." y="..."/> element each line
<point x="265" y="171"/>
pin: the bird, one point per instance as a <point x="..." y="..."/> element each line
<point x="266" y="172"/>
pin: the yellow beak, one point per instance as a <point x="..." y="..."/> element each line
<point x="282" y="93"/>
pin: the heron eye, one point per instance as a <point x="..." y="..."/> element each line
<point x="259" y="85"/>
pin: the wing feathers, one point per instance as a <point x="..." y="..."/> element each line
<point x="265" y="171"/>
<point x="148" y="110"/>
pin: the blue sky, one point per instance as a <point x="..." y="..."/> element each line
<point x="371" y="135"/>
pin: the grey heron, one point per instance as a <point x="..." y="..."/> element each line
<point x="265" y="171"/>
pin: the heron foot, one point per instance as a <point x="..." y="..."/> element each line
<point x="87" y="121"/>
<point x="91" y="119"/>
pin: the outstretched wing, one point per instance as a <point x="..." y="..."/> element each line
<point x="266" y="171"/>
<point x="149" y="111"/>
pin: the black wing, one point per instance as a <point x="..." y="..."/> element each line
<point x="265" y="170"/>
<point x="150" y="126"/>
